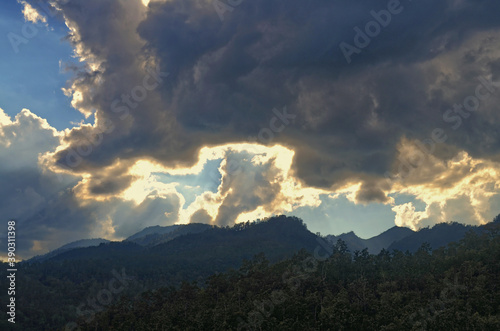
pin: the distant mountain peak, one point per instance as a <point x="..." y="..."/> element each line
<point x="155" y="235"/>
<point x="82" y="243"/>
<point x="155" y="229"/>
<point x="374" y="244"/>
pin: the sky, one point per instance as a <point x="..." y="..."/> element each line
<point x="354" y="116"/>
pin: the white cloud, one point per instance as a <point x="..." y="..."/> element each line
<point x="31" y="14"/>
<point x="24" y="139"/>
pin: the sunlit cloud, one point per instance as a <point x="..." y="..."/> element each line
<point x="31" y="14"/>
<point x="238" y="175"/>
<point x="459" y="190"/>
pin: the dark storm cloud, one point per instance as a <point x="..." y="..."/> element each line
<point x="110" y="185"/>
<point x="226" y="76"/>
<point x="166" y="80"/>
<point x="108" y="181"/>
<point x="372" y="191"/>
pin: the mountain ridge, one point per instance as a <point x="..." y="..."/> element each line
<point x="395" y="238"/>
<point x="193" y="257"/>
<point x="82" y="243"/>
<point x="374" y="244"/>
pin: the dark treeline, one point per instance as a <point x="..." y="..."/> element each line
<point x="254" y="276"/>
<point x="54" y="292"/>
<point x="451" y="288"/>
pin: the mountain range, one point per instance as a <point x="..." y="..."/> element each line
<point x="395" y="238"/>
<point x="58" y="284"/>
<point x="374" y="244"/>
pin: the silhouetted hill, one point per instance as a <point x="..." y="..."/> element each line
<point x="191" y="256"/>
<point x="156" y="235"/>
<point x="385" y="239"/>
<point x="73" y="245"/>
<point x="152" y="230"/>
<point x="278" y="238"/>
<point x="438" y="236"/>
<point x="353" y="242"/>
<point x="374" y="244"/>
<point x="53" y="289"/>
<point x="404" y="239"/>
<point x="453" y="289"/>
<point x="114" y="250"/>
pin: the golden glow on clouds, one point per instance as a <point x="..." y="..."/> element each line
<point x="349" y="190"/>
<point x="4" y="118"/>
<point x="214" y="153"/>
<point x="460" y="191"/>
<point x="251" y="216"/>
<point x="4" y="121"/>
<point x="23" y="117"/>
<point x="148" y="185"/>
<point x="291" y="196"/>
<point x="31" y="14"/>
<point x="77" y="100"/>
<point x="462" y="186"/>
<point x="457" y="190"/>
<point x="463" y="182"/>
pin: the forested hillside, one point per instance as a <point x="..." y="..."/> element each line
<point x="201" y="277"/>
<point x="452" y="288"/>
<point x="56" y="291"/>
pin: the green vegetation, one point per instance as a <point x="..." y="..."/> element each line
<point x="452" y="288"/>
<point x="269" y="275"/>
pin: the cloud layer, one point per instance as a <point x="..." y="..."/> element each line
<point x="413" y="112"/>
